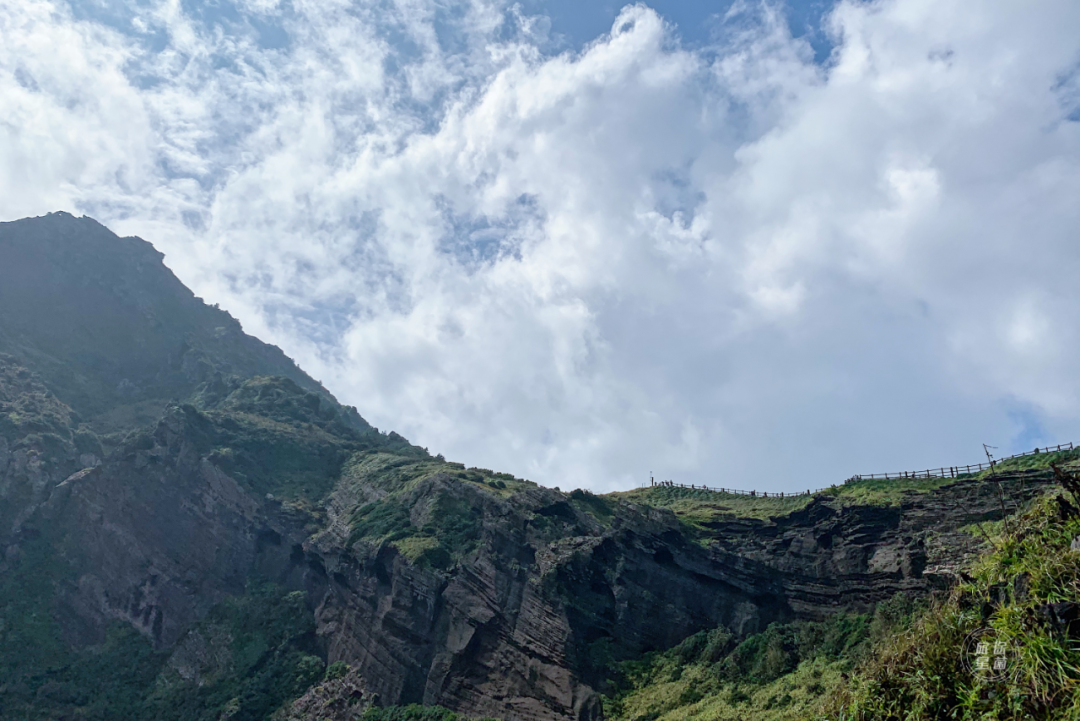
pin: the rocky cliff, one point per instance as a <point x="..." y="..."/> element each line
<point x="171" y="485"/>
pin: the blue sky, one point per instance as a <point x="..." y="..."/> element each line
<point x="696" y="21"/>
<point x="584" y="241"/>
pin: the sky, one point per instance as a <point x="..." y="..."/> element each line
<point x="744" y="244"/>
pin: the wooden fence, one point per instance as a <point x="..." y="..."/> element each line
<point x="943" y="472"/>
<point x="954" y="471"/>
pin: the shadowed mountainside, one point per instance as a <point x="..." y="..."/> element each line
<point x="112" y="331"/>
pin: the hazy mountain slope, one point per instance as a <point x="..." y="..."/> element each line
<point x="187" y="513"/>
<point x="110" y="329"/>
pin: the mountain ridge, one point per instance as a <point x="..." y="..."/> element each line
<point x="176" y="491"/>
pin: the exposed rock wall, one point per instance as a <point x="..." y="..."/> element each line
<point x="157" y="536"/>
<point x="518" y="629"/>
<point x="511" y="633"/>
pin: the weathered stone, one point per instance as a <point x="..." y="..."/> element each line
<point x="507" y="633"/>
<point x="1062" y="618"/>
<point x="340" y="699"/>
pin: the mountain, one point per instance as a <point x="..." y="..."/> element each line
<point x="193" y="528"/>
<point x="111" y="330"/>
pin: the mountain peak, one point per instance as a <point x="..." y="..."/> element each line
<point x="110" y="328"/>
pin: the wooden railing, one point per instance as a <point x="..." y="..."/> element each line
<point x="943" y="472"/>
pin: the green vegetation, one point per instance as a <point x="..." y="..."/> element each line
<point x="1035" y="461"/>
<point x="274" y="437"/>
<point x="699" y="507"/>
<point x="266" y="657"/>
<point x="32" y="646"/>
<point x="881" y="491"/>
<point x="395" y="472"/>
<point x="450" y="531"/>
<point x="781" y="673"/>
<point x="904" y="662"/>
<point x="599" y="507"/>
<point x="415" y="712"/>
<point x="432" y="509"/>
<point x="26" y="405"/>
<point x="920" y="675"/>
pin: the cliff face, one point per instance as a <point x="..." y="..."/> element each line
<point x="436" y="584"/>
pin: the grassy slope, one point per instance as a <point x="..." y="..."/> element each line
<point x="918" y="674"/>
<point x="781" y="673"/>
<point x="699" y="507"/>
<point x="450" y="527"/>
<point x="902" y="663"/>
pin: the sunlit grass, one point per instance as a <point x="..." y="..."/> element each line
<point x="919" y="675"/>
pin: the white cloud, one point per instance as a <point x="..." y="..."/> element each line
<point x="726" y="265"/>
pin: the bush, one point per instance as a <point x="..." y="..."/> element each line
<point x="414" y="712"/>
<point x="919" y="675"/>
<point x="336" y="670"/>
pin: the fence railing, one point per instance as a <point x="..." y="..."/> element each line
<point x="954" y="471"/>
<point x="943" y="472"/>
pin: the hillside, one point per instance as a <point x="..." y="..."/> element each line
<point x="193" y="528"/>
<point x="905" y="658"/>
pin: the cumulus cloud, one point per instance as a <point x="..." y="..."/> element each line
<point x="727" y="265"/>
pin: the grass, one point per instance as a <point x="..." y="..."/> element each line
<point x="415" y="712"/>
<point x="450" y="533"/>
<point x="784" y="672"/>
<point x="696" y="696"/>
<point x="427" y="508"/>
<point x="1037" y="461"/>
<point x="919" y="675"/>
<point x="417" y="549"/>
<point x="882" y="492"/>
<point x="699" y="507"/>
<point x="394" y="473"/>
<point x="599" y="507"/>
<point x="905" y="661"/>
